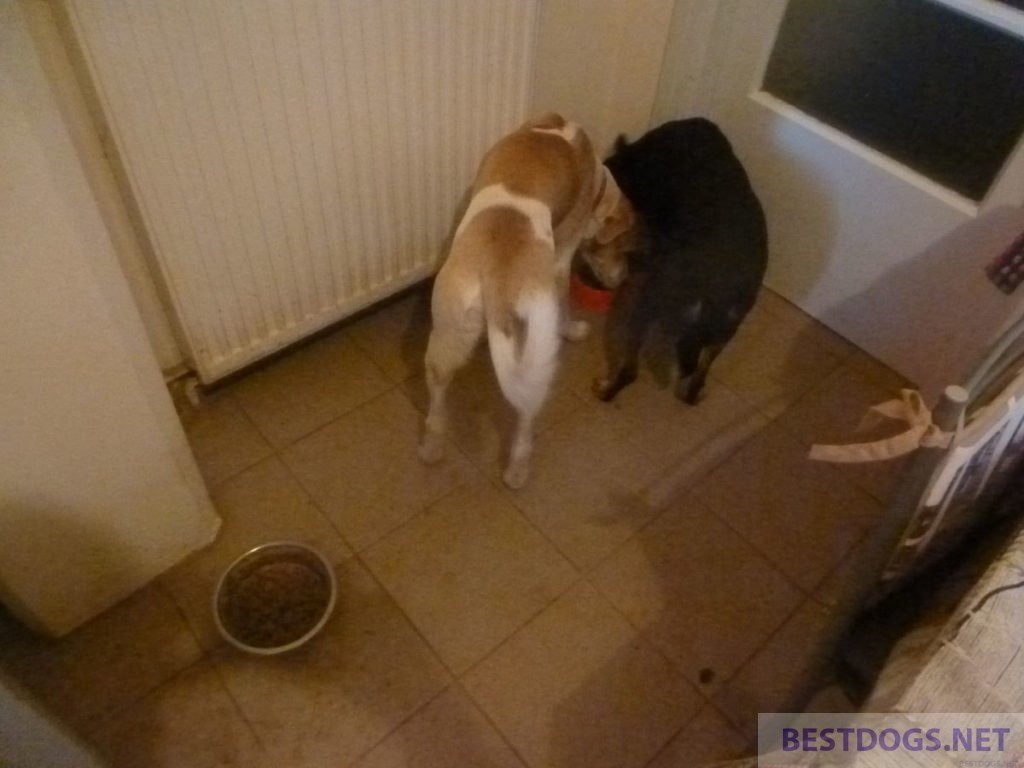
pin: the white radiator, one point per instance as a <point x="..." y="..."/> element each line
<point x="296" y="160"/>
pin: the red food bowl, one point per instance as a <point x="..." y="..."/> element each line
<point x="588" y="297"/>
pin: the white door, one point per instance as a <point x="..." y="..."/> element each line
<point x="861" y="238"/>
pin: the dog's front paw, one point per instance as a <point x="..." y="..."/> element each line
<point x="575" y="330"/>
<point x="431" y="448"/>
<point x="517" y="473"/>
<point x="603" y="390"/>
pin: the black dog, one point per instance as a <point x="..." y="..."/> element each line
<point x="695" y="255"/>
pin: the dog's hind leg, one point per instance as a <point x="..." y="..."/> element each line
<point x="524" y="362"/>
<point x="627" y="328"/>
<point x="692" y="383"/>
<point x="449" y="348"/>
<point x="518" y="470"/>
<point x="701" y="343"/>
<point x="624" y="371"/>
<point x="692" y="355"/>
<point x="688" y="349"/>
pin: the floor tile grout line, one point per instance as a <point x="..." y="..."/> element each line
<point x="666" y="508"/>
<point x="766" y="555"/>
<point x="519" y="630"/>
<point x="389" y="386"/>
<point x="720" y="711"/>
<point x="314" y="503"/>
<point x="482" y="464"/>
<point x="528" y="620"/>
<point x="358" y="557"/>
<point x="660" y="512"/>
<point x="686" y="724"/>
<point x="393" y="389"/>
<point x="93" y="726"/>
<point x="760" y="551"/>
<point x="337" y="417"/>
<point x="356" y="554"/>
<point x="642" y="635"/>
<point x="182" y="616"/>
<point x="490" y="721"/>
<point x="837" y="362"/>
<point x="509" y="496"/>
<point x="818" y="387"/>
<point x="805" y="591"/>
<point x="228" y="397"/>
<point x="98" y="721"/>
<point x="576" y="575"/>
<point x="843" y="561"/>
<point x="636" y="636"/>
<point x="777" y="422"/>
<point x="398" y="726"/>
<point x="460" y="676"/>
<point x="460" y="485"/>
<point x="815" y="323"/>
<point x="749" y="659"/>
<point x="354" y="340"/>
<point x="215" y="666"/>
<point x="512" y="496"/>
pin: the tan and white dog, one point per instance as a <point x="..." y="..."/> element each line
<point x="538" y="192"/>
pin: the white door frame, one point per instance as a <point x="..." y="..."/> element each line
<point x="692" y="71"/>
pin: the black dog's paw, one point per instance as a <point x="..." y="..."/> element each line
<point x="604" y="390"/>
<point x="688" y="393"/>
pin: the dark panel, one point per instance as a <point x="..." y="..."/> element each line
<point x="930" y="88"/>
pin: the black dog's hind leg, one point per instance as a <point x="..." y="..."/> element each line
<point x="624" y="373"/>
<point x="692" y="380"/>
<point x="688" y="348"/>
<point x="702" y="342"/>
<point x="627" y="327"/>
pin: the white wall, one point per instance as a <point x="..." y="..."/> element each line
<point x="137" y="262"/>
<point x="98" y="490"/>
<point x="598" y="63"/>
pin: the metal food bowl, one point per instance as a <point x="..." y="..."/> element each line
<point x="274" y="598"/>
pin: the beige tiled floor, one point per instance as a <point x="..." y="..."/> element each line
<point x="654" y="585"/>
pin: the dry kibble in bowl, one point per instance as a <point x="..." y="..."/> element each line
<point x="274" y="598"/>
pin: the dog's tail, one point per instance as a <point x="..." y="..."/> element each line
<point x="523" y="338"/>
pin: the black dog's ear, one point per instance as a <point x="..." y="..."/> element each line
<point x="619" y="145"/>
